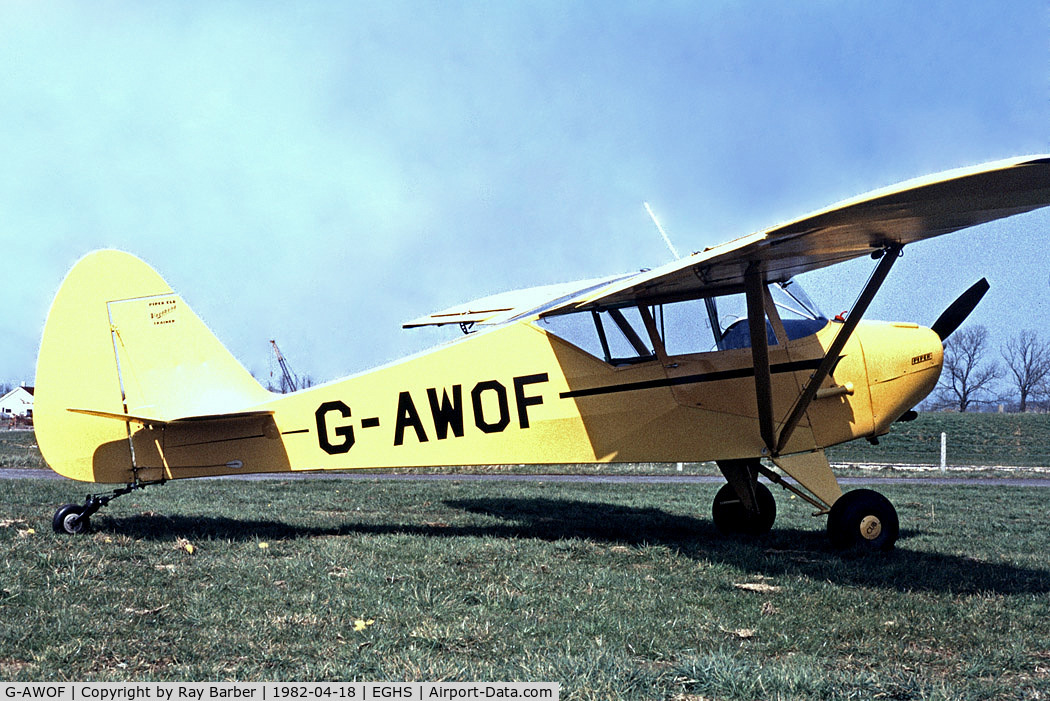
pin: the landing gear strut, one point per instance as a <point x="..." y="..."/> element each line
<point x="743" y="506"/>
<point x="861" y="520"/>
<point x="733" y="518"/>
<point x="74" y="519"/>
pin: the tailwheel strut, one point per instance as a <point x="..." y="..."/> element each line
<point x="74" y="519"/>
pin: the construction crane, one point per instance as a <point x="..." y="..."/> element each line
<point x="288" y="384"/>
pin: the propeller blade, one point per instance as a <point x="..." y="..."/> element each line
<point x="956" y="313"/>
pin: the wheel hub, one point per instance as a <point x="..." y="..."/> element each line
<point x="72" y="523"/>
<point x="870" y="527"/>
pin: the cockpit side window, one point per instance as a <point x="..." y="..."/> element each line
<point x="616" y="335"/>
<point x="685" y="328"/>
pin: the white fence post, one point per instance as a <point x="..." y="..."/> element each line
<point x="944" y="450"/>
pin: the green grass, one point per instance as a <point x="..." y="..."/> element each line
<point x="973" y="439"/>
<point x="18" y="449"/>
<point x="615" y="591"/>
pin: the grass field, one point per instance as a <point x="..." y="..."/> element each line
<point x="18" y="449"/>
<point x="615" y="591"/>
<point x="973" y="439"/>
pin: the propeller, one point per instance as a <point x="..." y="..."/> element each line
<point x="951" y="319"/>
<point x="956" y="313"/>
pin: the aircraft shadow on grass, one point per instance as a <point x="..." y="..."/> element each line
<point x="784" y="551"/>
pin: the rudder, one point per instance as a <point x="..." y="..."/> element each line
<point x="119" y="341"/>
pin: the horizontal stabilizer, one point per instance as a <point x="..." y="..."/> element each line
<point x="154" y="421"/>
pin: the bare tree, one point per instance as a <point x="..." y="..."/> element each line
<point x="966" y="378"/>
<point x="1028" y="360"/>
<point x="1041" y="395"/>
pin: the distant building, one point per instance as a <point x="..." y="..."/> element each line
<point x="17" y="403"/>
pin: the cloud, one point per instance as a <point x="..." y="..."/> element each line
<point x="319" y="173"/>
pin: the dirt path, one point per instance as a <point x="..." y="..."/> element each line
<point x="8" y="473"/>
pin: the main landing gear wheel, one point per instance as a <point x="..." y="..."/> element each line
<point x="863" y="520"/>
<point x="732" y="517"/>
<point x="70" y="519"/>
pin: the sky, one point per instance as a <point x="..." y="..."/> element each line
<point x="320" y="172"/>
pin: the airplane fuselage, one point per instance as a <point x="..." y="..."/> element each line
<point x="542" y="400"/>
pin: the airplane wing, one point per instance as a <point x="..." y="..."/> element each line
<point x="910" y="211"/>
<point x="502" y="307"/>
<point x="901" y="214"/>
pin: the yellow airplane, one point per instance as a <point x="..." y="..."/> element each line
<point x="717" y="356"/>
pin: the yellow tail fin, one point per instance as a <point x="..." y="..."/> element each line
<point x="118" y="342"/>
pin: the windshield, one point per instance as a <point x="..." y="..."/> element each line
<point x="797" y="312"/>
<point x="794" y="300"/>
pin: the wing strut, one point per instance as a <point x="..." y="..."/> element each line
<point x="754" y="291"/>
<point x="889" y="255"/>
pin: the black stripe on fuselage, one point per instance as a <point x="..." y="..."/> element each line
<point x="691" y="379"/>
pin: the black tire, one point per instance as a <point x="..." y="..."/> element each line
<point x="863" y="520"/>
<point x="732" y="518"/>
<point x="69" y="520"/>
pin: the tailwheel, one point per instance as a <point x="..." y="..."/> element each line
<point x="864" y="520"/>
<point x="732" y="517"/>
<point x="70" y="519"/>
